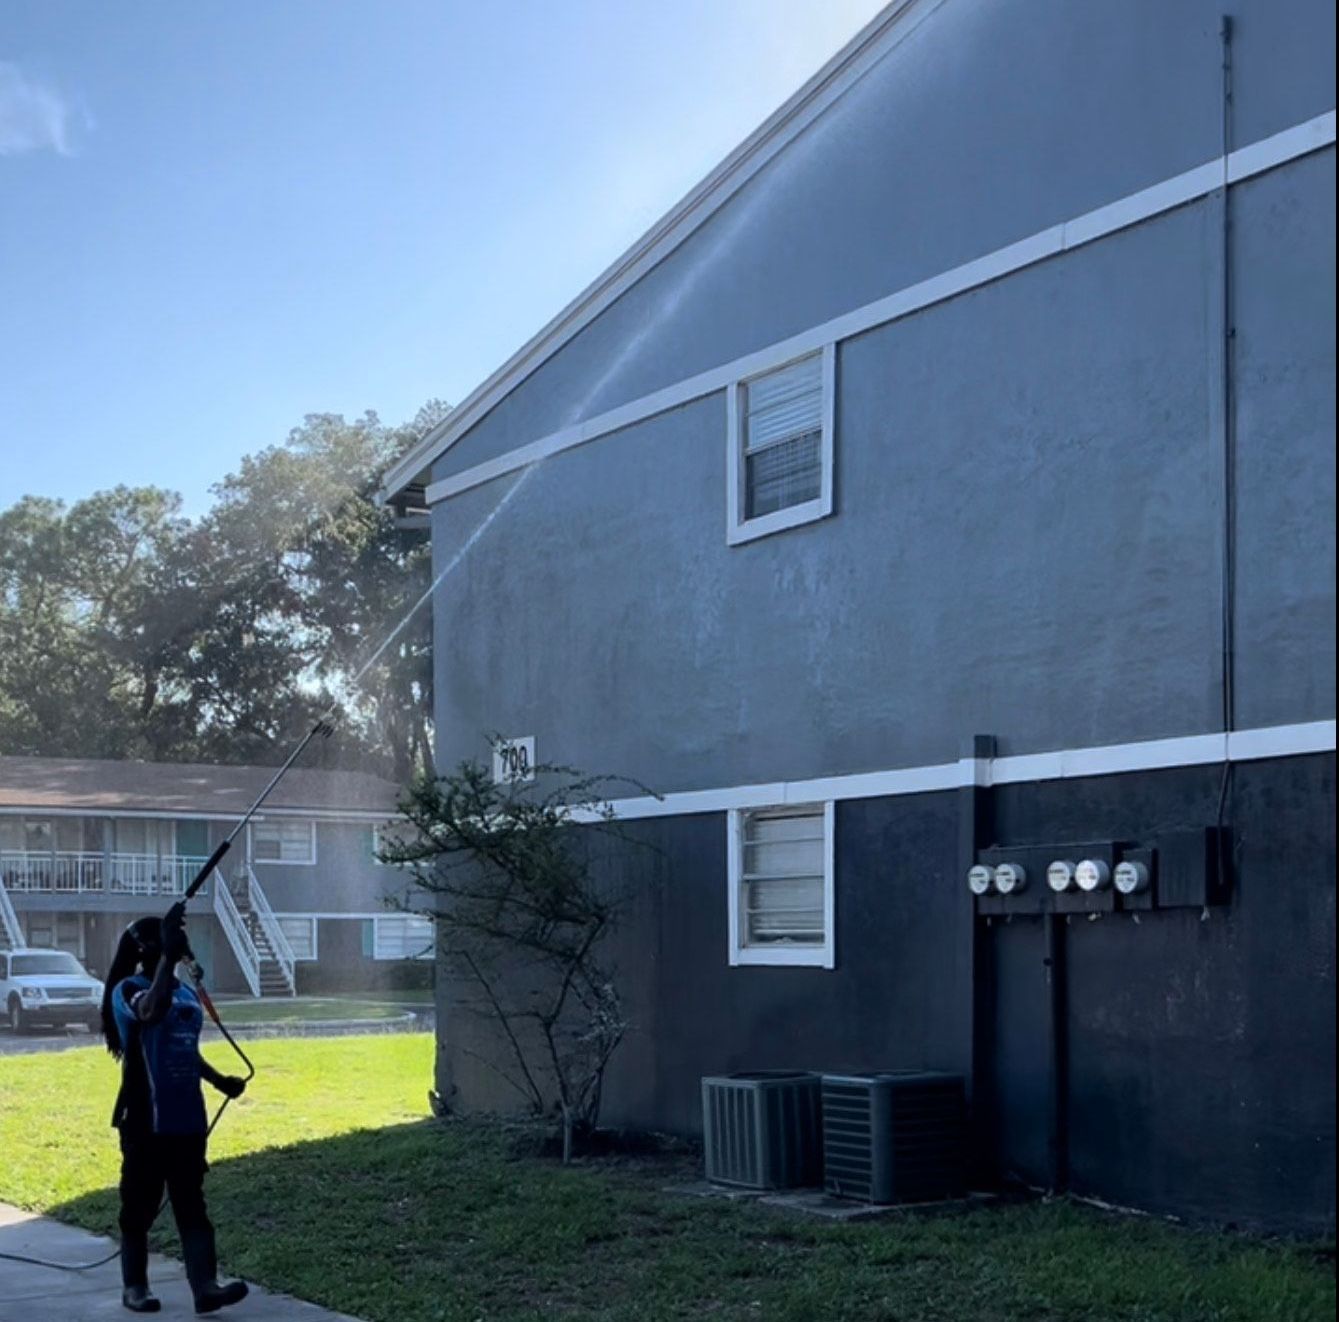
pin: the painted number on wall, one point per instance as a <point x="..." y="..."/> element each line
<point x="514" y="759"/>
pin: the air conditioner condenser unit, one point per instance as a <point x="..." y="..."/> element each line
<point x="763" y="1130"/>
<point x="894" y="1137"/>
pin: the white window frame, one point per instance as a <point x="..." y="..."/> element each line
<point x="310" y="918"/>
<point x="308" y="822"/>
<point x="816" y="956"/>
<point x="738" y="529"/>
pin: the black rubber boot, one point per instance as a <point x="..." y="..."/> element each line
<point x="139" y="1299"/>
<point x="135" y="1293"/>
<point x="197" y="1247"/>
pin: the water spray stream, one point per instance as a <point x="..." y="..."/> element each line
<point x="322" y="726"/>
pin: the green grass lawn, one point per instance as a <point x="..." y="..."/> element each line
<point x="306" y="1010"/>
<point x="328" y="1182"/>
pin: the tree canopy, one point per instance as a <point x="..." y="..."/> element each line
<point x="130" y="631"/>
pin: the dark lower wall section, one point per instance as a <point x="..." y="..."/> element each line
<point x="1201" y="1047"/>
<point x="1201" y="1043"/>
<point x="893" y="1000"/>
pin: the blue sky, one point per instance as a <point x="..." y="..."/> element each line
<point x="216" y="218"/>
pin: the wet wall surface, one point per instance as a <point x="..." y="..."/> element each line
<point x="1027" y="536"/>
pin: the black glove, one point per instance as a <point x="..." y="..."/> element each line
<point x="231" y="1086"/>
<point x="174" y="932"/>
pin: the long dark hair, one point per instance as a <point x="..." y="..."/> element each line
<point x="141" y="946"/>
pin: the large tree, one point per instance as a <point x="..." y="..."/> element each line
<point x="128" y="631"/>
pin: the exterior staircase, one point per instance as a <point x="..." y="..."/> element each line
<point x="274" y="981"/>
<point x="11" y="934"/>
<point x="262" y="951"/>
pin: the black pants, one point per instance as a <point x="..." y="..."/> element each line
<point x="149" y="1163"/>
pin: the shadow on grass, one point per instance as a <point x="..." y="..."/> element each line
<point x="443" y="1220"/>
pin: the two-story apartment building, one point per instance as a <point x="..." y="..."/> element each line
<point x="948" y="482"/>
<point x="298" y="904"/>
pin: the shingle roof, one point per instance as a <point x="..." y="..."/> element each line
<point x="183" y="787"/>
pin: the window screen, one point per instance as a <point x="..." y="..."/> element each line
<point x="782" y="881"/>
<point x="783" y="438"/>
<point x="283" y="842"/>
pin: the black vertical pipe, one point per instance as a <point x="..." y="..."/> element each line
<point x="1058" y="1054"/>
<point x="1227" y="402"/>
<point x="976" y="831"/>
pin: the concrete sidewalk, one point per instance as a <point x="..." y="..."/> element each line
<point x="43" y="1294"/>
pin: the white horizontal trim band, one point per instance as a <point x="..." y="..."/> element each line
<point x="333" y="915"/>
<point x="1267" y="154"/>
<point x="1065" y="764"/>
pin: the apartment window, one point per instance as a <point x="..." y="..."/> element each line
<point x="300" y="929"/>
<point x="780" y="431"/>
<point x="781" y="886"/>
<point x="402" y="936"/>
<point x="79" y="835"/>
<point x="40" y="932"/>
<point x="149" y="836"/>
<point x="279" y="841"/>
<point x="37" y="835"/>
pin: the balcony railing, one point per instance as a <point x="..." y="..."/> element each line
<point x="71" y="872"/>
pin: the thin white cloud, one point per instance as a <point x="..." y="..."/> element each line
<point x="33" y="116"/>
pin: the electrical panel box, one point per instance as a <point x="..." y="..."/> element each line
<point x="1194" y="868"/>
<point x="1180" y="869"/>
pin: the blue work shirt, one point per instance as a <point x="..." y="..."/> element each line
<point x="166" y="1057"/>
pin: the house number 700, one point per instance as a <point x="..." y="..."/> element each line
<point x="514" y="759"/>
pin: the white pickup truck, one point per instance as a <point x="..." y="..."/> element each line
<point x="47" y="986"/>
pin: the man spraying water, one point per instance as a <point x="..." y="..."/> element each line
<point x="152" y="1023"/>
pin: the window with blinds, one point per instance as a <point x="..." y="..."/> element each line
<point x="781" y="447"/>
<point x="782" y="886"/>
<point x="783" y="435"/>
<point x="402" y="937"/>
<point x="278" y="841"/>
<point x="300" y="929"/>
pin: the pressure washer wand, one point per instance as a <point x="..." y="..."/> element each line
<point x="322" y="727"/>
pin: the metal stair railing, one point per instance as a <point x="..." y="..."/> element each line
<point x="234" y="928"/>
<point x="274" y="933"/>
<point x="9" y="920"/>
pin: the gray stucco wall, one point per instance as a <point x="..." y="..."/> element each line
<point x="993" y="120"/>
<point x="1284" y="292"/>
<point x="1027" y="536"/>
